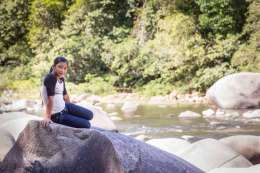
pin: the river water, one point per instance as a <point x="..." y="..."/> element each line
<point x="163" y="122"/>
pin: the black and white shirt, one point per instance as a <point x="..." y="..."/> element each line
<point x="56" y="88"/>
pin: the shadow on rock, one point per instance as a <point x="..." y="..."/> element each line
<point x="61" y="149"/>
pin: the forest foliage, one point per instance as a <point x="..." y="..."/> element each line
<point x="149" y="46"/>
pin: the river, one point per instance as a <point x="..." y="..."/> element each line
<point x="163" y="122"/>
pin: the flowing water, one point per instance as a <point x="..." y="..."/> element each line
<point x="163" y="122"/>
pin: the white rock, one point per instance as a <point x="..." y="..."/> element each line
<point x="252" y="114"/>
<point x="252" y="169"/>
<point x="115" y="118"/>
<point x="208" y="154"/>
<point x="14" y="125"/>
<point x="189" y="114"/>
<point x="129" y="107"/>
<point x="187" y="137"/>
<point x="17" y="105"/>
<point x="158" y="100"/>
<point x="171" y="145"/>
<point x="6" y="143"/>
<point x="113" y="114"/>
<point x="100" y="118"/>
<point x="142" y="137"/>
<point x="246" y="145"/>
<point x="208" y="113"/>
<point x="236" y="91"/>
<point x="220" y="114"/>
<point x="111" y="106"/>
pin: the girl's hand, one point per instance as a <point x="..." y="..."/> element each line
<point x="46" y="121"/>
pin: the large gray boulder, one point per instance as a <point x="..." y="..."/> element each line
<point x="246" y="145"/>
<point x="61" y="149"/>
<point x="171" y="145"/>
<point x="240" y="90"/>
<point x="6" y="143"/>
<point x="15" y="122"/>
<point x="208" y="154"/>
<point x="11" y="124"/>
<point x="100" y="118"/>
<point x="252" y="169"/>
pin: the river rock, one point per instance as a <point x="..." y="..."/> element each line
<point x="11" y="126"/>
<point x="15" y="122"/>
<point x="246" y="145"/>
<point x="116" y="118"/>
<point x="252" y="169"/>
<point x="6" y="143"/>
<point x="230" y="93"/>
<point x="209" y="113"/>
<point x="189" y="114"/>
<point x="208" y="154"/>
<point x="252" y="114"/>
<point x="111" y="106"/>
<point x="100" y="118"/>
<point x="17" y="105"/>
<point x="129" y="108"/>
<point x="171" y="145"/>
<point x="64" y="149"/>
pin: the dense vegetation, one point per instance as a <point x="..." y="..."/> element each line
<point x="151" y="46"/>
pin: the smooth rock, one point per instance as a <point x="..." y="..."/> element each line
<point x="171" y="145"/>
<point x="142" y="137"/>
<point x="6" y="143"/>
<point x="129" y="107"/>
<point x="111" y="106"/>
<point x="189" y="114"/>
<point x="100" y="118"/>
<point x="15" y="122"/>
<point x="246" y="145"/>
<point x="64" y="149"/>
<point x="230" y="93"/>
<point x="252" y="169"/>
<point x="252" y="114"/>
<point x="208" y="113"/>
<point x="116" y="118"/>
<point x="208" y="154"/>
<point x="17" y="105"/>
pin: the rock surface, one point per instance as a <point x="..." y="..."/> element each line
<point x="171" y="145"/>
<point x="208" y="154"/>
<point x="252" y="169"/>
<point x="61" y="149"/>
<point x="6" y="143"/>
<point x="236" y="91"/>
<point x="246" y="145"/>
<point x="189" y="114"/>
<point x="15" y="122"/>
<point x="100" y="118"/>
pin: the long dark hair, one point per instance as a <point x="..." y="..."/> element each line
<point x="58" y="60"/>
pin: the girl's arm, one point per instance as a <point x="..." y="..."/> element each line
<point x="47" y="115"/>
<point x="66" y="98"/>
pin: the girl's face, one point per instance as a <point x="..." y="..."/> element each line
<point x="60" y="69"/>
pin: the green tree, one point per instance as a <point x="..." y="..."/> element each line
<point x="221" y="16"/>
<point x="13" y="47"/>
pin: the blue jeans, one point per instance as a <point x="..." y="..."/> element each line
<point x="73" y="116"/>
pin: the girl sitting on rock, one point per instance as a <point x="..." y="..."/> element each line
<point x="58" y="108"/>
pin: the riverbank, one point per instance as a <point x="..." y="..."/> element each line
<point x="174" y="98"/>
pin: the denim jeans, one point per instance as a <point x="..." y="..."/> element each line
<point x="73" y="116"/>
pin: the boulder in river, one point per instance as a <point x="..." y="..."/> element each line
<point x="209" y="153"/>
<point x="100" y="118"/>
<point x="236" y="91"/>
<point x="189" y="114"/>
<point x="252" y="169"/>
<point x="61" y="149"/>
<point x="246" y="145"/>
<point x="171" y="145"/>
